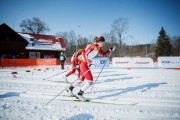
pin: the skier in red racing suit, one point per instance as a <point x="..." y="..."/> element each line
<point x="75" y="64"/>
<point x="90" y="51"/>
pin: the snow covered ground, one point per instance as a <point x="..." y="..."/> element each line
<point x="147" y="94"/>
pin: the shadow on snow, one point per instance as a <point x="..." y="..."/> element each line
<point x="117" y="79"/>
<point x="112" y="75"/>
<point x="144" y="88"/>
<point x="113" y="80"/>
<point x="97" y="72"/>
<point x="83" y="116"/>
<point x="9" y="94"/>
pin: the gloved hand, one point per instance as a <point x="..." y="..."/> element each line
<point x="89" y="65"/>
<point x="77" y="65"/>
<point x="112" y="48"/>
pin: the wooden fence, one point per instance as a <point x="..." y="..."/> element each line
<point x="28" y="62"/>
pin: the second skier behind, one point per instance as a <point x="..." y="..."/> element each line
<point x="75" y="64"/>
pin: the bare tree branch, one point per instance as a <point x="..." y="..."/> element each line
<point x="34" y="25"/>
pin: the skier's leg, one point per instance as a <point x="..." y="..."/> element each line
<point x="77" y="82"/>
<point x="71" y="72"/>
<point x="87" y="84"/>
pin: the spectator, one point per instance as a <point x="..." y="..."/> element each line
<point x="62" y="59"/>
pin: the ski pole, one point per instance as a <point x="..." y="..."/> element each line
<point x="55" y="75"/>
<point x="65" y="89"/>
<point x="100" y="71"/>
<point x="58" y="94"/>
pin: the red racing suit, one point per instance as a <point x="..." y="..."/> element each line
<point x="91" y="50"/>
<point x="75" y="62"/>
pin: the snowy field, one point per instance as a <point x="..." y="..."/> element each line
<point x="137" y="94"/>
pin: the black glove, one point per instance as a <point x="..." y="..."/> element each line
<point x="112" y="48"/>
<point x="89" y="65"/>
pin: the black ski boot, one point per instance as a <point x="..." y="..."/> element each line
<point x="80" y="95"/>
<point x="70" y="91"/>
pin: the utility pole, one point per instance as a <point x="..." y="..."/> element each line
<point x="146" y="49"/>
<point x="77" y="35"/>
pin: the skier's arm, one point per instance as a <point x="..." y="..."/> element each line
<point x="104" y="53"/>
<point x="107" y="51"/>
<point x="78" y="54"/>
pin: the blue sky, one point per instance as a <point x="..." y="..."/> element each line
<point x="96" y="16"/>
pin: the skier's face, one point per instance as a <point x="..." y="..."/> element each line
<point x="101" y="44"/>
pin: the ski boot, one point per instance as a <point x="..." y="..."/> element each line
<point x="70" y="91"/>
<point x="80" y="96"/>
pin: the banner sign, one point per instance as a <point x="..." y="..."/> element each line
<point x="124" y="62"/>
<point x="142" y="63"/>
<point x="99" y="62"/>
<point x="169" y="62"/>
<point x="121" y="62"/>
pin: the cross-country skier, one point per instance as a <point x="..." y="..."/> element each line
<point x="75" y="63"/>
<point x="90" y="51"/>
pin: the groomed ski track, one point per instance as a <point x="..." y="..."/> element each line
<point x="140" y="94"/>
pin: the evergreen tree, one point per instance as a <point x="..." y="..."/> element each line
<point x="163" y="46"/>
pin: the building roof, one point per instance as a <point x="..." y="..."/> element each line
<point x="8" y="32"/>
<point x="43" y="42"/>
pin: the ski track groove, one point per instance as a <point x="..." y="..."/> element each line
<point x="32" y="87"/>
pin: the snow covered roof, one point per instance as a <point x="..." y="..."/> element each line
<point x="43" y="42"/>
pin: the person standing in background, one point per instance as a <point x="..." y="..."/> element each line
<point x="62" y="59"/>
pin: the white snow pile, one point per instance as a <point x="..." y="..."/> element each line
<point x="126" y="94"/>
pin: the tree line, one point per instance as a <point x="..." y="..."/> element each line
<point x="164" y="46"/>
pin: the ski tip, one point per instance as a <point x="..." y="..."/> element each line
<point x="78" y="100"/>
<point x="87" y="100"/>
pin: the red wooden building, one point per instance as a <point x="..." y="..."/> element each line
<point x="27" y="45"/>
<point x="26" y="49"/>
